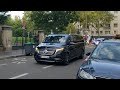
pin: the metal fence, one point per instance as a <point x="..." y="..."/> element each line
<point x="18" y="40"/>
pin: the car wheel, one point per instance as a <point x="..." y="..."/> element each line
<point x="27" y="54"/>
<point x="66" y="60"/>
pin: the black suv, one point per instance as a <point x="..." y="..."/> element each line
<point x="60" y="48"/>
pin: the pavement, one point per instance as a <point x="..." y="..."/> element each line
<point x="25" y="67"/>
<point x="13" y="53"/>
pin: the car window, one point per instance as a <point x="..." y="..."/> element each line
<point x="55" y="39"/>
<point x="77" y="38"/>
<point x="109" y="51"/>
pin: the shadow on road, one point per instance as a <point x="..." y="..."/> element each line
<point x="58" y="63"/>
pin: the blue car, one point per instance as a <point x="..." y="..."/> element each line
<point x="102" y="63"/>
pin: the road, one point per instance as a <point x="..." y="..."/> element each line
<point x="26" y="68"/>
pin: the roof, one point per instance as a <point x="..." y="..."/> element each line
<point x="112" y="41"/>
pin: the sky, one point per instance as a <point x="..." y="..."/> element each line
<point x="16" y="13"/>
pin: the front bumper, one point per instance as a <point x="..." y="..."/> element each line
<point x="52" y="58"/>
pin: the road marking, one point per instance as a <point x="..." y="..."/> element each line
<point x="23" y="60"/>
<point x="19" y="76"/>
<point x="15" y="58"/>
<point x="18" y="62"/>
<point x="14" y="62"/>
<point x="2" y="64"/>
<point x="47" y="66"/>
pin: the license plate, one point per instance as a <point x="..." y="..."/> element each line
<point x="44" y="56"/>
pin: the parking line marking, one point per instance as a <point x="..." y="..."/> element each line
<point x="14" y="62"/>
<point x="19" y="76"/>
<point x="47" y="66"/>
<point x="18" y="62"/>
<point x="15" y="58"/>
<point x="23" y="60"/>
<point x="2" y="64"/>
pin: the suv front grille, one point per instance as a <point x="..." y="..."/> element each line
<point x="50" y="50"/>
<point x="47" y="53"/>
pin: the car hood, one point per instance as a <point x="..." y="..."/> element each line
<point x="55" y="45"/>
<point x="102" y="68"/>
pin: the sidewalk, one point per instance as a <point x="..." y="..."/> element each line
<point x="13" y="53"/>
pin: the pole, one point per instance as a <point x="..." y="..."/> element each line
<point x="22" y="40"/>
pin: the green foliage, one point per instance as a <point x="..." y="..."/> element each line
<point x="29" y="23"/>
<point x="3" y="17"/>
<point x="96" y="19"/>
<point x="53" y="20"/>
<point x="70" y="29"/>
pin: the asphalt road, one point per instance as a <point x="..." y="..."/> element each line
<point x="26" y="68"/>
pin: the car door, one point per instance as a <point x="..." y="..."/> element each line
<point x="80" y="47"/>
<point x="72" y="47"/>
<point x="77" y="46"/>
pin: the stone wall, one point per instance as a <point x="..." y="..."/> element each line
<point x="6" y="38"/>
<point x="41" y="35"/>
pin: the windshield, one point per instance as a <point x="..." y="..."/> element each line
<point x="107" y="51"/>
<point x="55" y="39"/>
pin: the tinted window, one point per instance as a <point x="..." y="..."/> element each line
<point x="77" y="38"/>
<point x="55" y="39"/>
<point x="108" y="51"/>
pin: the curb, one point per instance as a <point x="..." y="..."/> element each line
<point x="7" y="57"/>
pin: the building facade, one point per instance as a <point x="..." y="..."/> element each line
<point x="110" y="30"/>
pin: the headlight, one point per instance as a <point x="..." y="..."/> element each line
<point x="85" y="75"/>
<point x="59" y="50"/>
<point x="37" y="50"/>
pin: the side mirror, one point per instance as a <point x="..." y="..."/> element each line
<point x="88" y="54"/>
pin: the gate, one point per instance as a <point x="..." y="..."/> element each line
<point x="19" y="39"/>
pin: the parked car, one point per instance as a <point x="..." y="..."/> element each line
<point x="60" y="48"/>
<point x="102" y="63"/>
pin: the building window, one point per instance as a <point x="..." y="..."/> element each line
<point x="107" y="26"/>
<point x="107" y="32"/>
<point x="92" y="32"/>
<point x="114" y="32"/>
<point x="115" y="25"/>
<point x="101" y="32"/>
<point x="115" y="12"/>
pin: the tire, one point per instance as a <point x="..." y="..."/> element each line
<point x="66" y="60"/>
<point x="27" y="54"/>
<point x="38" y="62"/>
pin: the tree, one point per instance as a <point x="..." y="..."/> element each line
<point x="16" y="26"/>
<point x="53" y="20"/>
<point x="3" y="17"/>
<point x="70" y="29"/>
<point x="96" y="19"/>
<point x="27" y="18"/>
